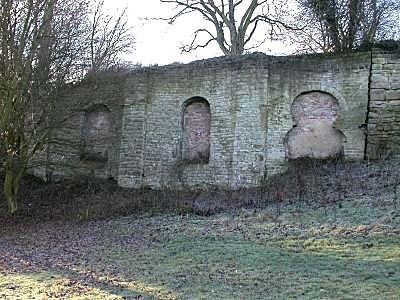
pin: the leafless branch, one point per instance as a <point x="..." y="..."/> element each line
<point x="230" y="30"/>
<point x="345" y="25"/>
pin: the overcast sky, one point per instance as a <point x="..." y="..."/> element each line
<point x="156" y="41"/>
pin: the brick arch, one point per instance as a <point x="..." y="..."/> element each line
<point x="314" y="134"/>
<point x="96" y="133"/>
<point x="335" y="93"/>
<point x="196" y="125"/>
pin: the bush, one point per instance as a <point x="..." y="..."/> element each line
<point x="306" y="182"/>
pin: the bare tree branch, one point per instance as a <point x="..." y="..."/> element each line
<point x="193" y="46"/>
<point x="345" y="25"/>
<point x="234" y="23"/>
<point x="45" y="44"/>
<point x="109" y="37"/>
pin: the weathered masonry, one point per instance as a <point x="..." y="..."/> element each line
<point x="230" y="122"/>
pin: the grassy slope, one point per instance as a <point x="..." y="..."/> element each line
<point x="347" y="252"/>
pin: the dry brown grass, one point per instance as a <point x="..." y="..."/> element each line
<point x="306" y="182"/>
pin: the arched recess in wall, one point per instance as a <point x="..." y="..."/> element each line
<point x="196" y="125"/>
<point x="96" y="133"/>
<point x="314" y="134"/>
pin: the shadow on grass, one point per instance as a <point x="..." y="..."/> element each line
<point x="220" y="268"/>
<point x="20" y="277"/>
<point x="200" y="258"/>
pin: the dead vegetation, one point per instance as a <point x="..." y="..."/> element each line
<point x="306" y="182"/>
<point x="321" y="230"/>
<point x="346" y="252"/>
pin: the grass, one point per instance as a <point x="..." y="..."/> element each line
<point x="47" y="286"/>
<point x="349" y="251"/>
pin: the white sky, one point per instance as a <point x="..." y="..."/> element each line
<point x="157" y="42"/>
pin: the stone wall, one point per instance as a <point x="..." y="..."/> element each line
<point x="88" y="143"/>
<point x="247" y="108"/>
<point x="344" y="77"/>
<point x="152" y="126"/>
<point x="250" y="101"/>
<point x="384" y="113"/>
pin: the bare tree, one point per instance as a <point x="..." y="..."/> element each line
<point x="109" y="37"/>
<point x="233" y="22"/>
<point x="345" y="25"/>
<point x="42" y="48"/>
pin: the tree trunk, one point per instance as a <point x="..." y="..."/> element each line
<point x="13" y="174"/>
<point x="12" y="181"/>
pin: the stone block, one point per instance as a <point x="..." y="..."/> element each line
<point x="392" y="95"/>
<point x="395" y="82"/>
<point x="395" y="103"/>
<point x="377" y="94"/>
<point x="378" y="60"/>
<point x="377" y="104"/>
<point x="379" y="81"/>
